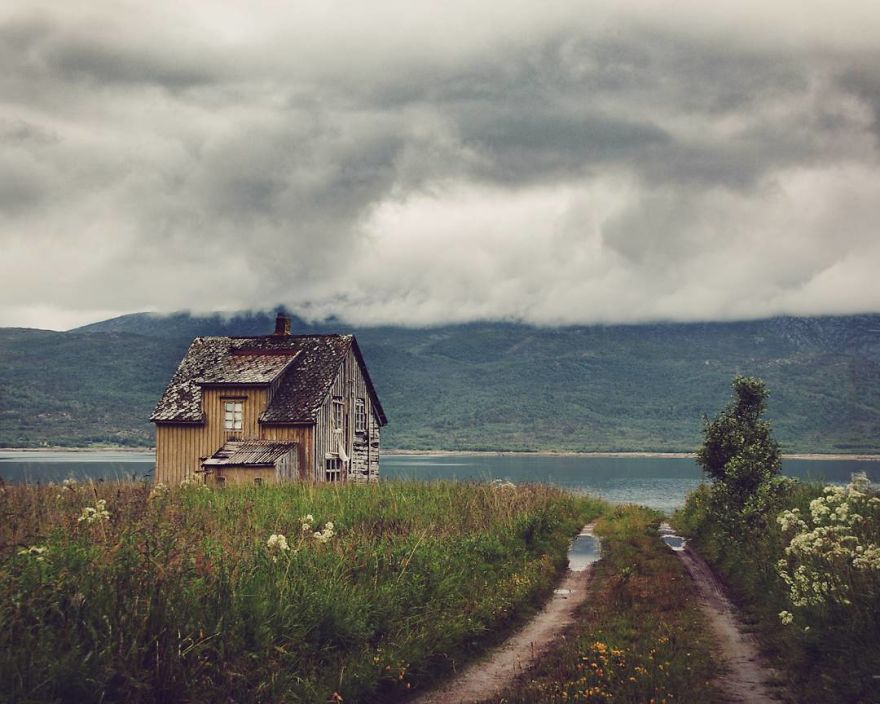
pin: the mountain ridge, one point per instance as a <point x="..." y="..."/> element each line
<point x="480" y="386"/>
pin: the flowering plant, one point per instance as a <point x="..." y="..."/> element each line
<point x="95" y="514"/>
<point x="35" y="551"/>
<point x="277" y="545"/>
<point x="324" y="536"/>
<point x="833" y="552"/>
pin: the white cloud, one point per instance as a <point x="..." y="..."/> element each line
<point x="394" y="162"/>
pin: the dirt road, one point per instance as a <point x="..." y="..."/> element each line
<point x="486" y="678"/>
<point x="746" y="681"/>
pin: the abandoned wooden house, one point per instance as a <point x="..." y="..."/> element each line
<point x="270" y="408"/>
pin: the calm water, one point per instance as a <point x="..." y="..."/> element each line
<point x="658" y="482"/>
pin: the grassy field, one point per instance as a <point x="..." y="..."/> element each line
<point x="808" y="582"/>
<point x="294" y="593"/>
<point x="641" y="636"/>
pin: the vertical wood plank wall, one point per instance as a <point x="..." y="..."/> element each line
<point x="302" y="435"/>
<point x="180" y="448"/>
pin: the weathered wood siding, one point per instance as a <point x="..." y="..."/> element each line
<point x="243" y="475"/>
<point x="372" y="442"/>
<point x="287" y="467"/>
<point x="180" y="448"/>
<point x="303" y="436"/>
<point x="362" y="448"/>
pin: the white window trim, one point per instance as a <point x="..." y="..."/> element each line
<point x="233" y="414"/>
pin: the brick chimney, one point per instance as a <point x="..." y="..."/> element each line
<point x="282" y="325"/>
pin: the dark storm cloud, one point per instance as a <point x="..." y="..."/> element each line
<point x="566" y="162"/>
<point x="40" y="46"/>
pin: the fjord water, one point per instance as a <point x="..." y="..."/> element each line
<point x="658" y="482"/>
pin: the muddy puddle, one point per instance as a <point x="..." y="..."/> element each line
<point x="668" y="536"/>
<point x="584" y="551"/>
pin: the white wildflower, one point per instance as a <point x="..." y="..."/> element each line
<point x="836" y="535"/>
<point x="502" y="484"/>
<point x="69" y="483"/>
<point x="35" y="551"/>
<point x="786" y="617"/>
<point x="324" y="536"/>
<point x="95" y="514"/>
<point x="277" y="545"/>
<point x="158" y="491"/>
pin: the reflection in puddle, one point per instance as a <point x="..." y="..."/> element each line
<point x="584" y="551"/>
<point x="676" y="542"/>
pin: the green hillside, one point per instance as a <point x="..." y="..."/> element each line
<point x="482" y="386"/>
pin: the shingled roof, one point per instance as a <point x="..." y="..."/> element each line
<point x="303" y="365"/>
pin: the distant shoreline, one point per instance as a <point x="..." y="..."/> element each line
<point x="633" y="454"/>
<point x="485" y="453"/>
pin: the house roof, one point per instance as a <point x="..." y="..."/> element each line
<point x="303" y="366"/>
<point x="238" y="368"/>
<point x="254" y="453"/>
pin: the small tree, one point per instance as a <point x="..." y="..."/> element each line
<point x="739" y="452"/>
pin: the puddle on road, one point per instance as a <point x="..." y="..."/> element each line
<point x="584" y="551"/>
<point x="676" y="542"/>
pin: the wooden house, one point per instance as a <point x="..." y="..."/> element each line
<point x="270" y="408"/>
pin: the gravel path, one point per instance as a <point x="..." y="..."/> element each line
<point x="489" y="677"/>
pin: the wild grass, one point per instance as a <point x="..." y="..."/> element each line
<point x="829" y="650"/>
<point x="640" y="636"/>
<point x="177" y="596"/>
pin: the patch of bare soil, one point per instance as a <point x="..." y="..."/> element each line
<point x="489" y="677"/>
<point x="748" y="678"/>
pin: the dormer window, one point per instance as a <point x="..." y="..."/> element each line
<point x="233" y="415"/>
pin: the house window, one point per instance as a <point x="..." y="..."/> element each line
<point x="233" y="414"/>
<point x="332" y="469"/>
<point x="338" y="413"/>
<point x="360" y="416"/>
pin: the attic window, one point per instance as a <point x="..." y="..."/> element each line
<point x="233" y="414"/>
<point x="360" y="415"/>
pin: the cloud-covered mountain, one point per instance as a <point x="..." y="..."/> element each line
<point x="483" y="385"/>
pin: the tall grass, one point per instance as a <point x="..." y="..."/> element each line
<point x="177" y="596"/>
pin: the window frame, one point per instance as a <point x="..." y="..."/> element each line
<point x="237" y="405"/>
<point x="333" y="469"/>
<point x="360" y="415"/>
<point x="338" y="413"/>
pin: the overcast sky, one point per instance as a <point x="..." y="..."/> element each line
<point x="420" y="163"/>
